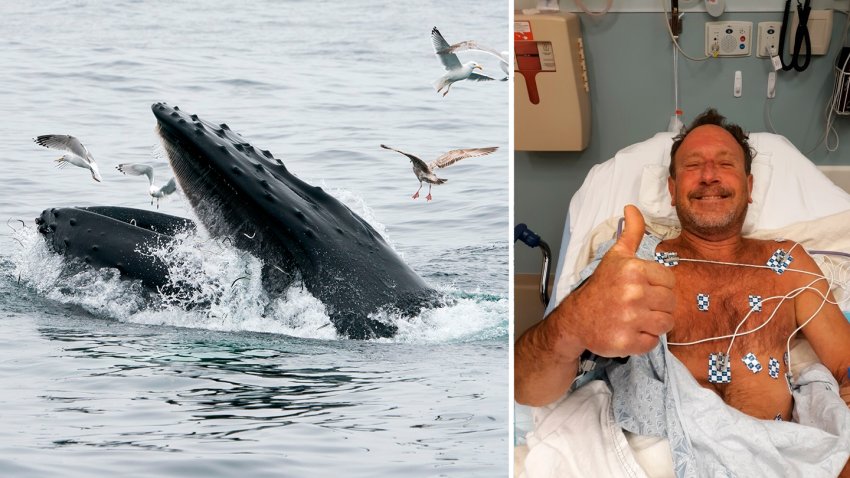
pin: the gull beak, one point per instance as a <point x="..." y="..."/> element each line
<point x="479" y="67"/>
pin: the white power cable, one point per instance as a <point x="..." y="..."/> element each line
<point x="838" y="88"/>
<point x="768" y="116"/>
<point x="788" y="342"/>
<point x="674" y="39"/>
<point x="675" y="126"/>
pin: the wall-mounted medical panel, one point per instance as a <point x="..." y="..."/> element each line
<point x="551" y="83"/>
<point x="728" y="38"/>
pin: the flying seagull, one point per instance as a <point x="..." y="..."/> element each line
<point x="78" y="154"/>
<point x="455" y="71"/>
<point x="474" y="46"/>
<point x="156" y="192"/>
<point x="425" y="171"/>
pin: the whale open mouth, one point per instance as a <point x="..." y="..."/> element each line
<point x="298" y="230"/>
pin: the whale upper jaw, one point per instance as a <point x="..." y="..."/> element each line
<point x="297" y="229"/>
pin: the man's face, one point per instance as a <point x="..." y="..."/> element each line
<point x="711" y="189"/>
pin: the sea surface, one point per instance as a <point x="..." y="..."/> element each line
<point x="99" y="381"/>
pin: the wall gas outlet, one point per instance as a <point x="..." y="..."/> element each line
<point x="728" y="38"/>
<point x="768" y="39"/>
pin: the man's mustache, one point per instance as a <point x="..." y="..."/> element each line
<point x="710" y="191"/>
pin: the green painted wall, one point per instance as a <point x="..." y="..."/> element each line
<point x="629" y="58"/>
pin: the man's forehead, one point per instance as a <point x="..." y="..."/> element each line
<point x="713" y="138"/>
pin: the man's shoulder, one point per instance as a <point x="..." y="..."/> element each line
<point x="777" y="242"/>
<point x="781" y="254"/>
<point x="774" y="246"/>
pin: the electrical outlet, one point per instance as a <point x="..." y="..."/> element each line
<point x="768" y="39"/>
<point x="728" y="38"/>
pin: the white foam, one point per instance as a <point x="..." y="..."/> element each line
<point x="33" y="263"/>
<point x="97" y="291"/>
<point x="221" y="289"/>
<point x="465" y="319"/>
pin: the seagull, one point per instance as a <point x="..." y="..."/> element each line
<point x="79" y="155"/>
<point x="425" y="171"/>
<point x="156" y="192"/>
<point x="455" y="71"/>
<point x="472" y="45"/>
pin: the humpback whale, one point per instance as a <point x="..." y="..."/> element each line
<point x="300" y="232"/>
<point x="110" y="236"/>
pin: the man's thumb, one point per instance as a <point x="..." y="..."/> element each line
<point x="633" y="231"/>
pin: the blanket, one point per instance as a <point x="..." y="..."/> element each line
<point x="586" y="433"/>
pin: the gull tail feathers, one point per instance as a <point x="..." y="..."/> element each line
<point x="440" y="84"/>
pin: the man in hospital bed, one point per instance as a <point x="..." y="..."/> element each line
<point x="725" y="306"/>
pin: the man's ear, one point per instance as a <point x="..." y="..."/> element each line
<point x="750" y="188"/>
<point x="671" y="186"/>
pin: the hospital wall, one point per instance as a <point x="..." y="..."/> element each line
<point x="629" y="61"/>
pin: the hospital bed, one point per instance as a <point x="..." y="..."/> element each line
<point x="791" y="198"/>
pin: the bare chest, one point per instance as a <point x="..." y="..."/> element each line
<point x="730" y="331"/>
<point x="713" y="301"/>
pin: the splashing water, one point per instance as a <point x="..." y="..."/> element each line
<point x="220" y="288"/>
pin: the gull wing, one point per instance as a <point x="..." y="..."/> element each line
<point x="477" y="77"/>
<point x="66" y="143"/>
<point x="169" y="187"/>
<point x="456" y="155"/>
<point x="473" y="45"/>
<point x="418" y="163"/>
<point x="135" y="169"/>
<point x="449" y="60"/>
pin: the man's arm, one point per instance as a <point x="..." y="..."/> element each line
<point x="621" y="310"/>
<point x="546" y="358"/>
<point x="828" y="332"/>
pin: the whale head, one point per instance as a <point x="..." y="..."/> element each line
<point x="297" y="229"/>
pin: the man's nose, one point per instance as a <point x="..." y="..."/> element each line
<point x="708" y="173"/>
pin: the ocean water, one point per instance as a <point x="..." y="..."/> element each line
<point x="99" y="381"/>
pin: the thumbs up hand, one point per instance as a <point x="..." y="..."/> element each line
<point x="629" y="242"/>
<point x="627" y="302"/>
